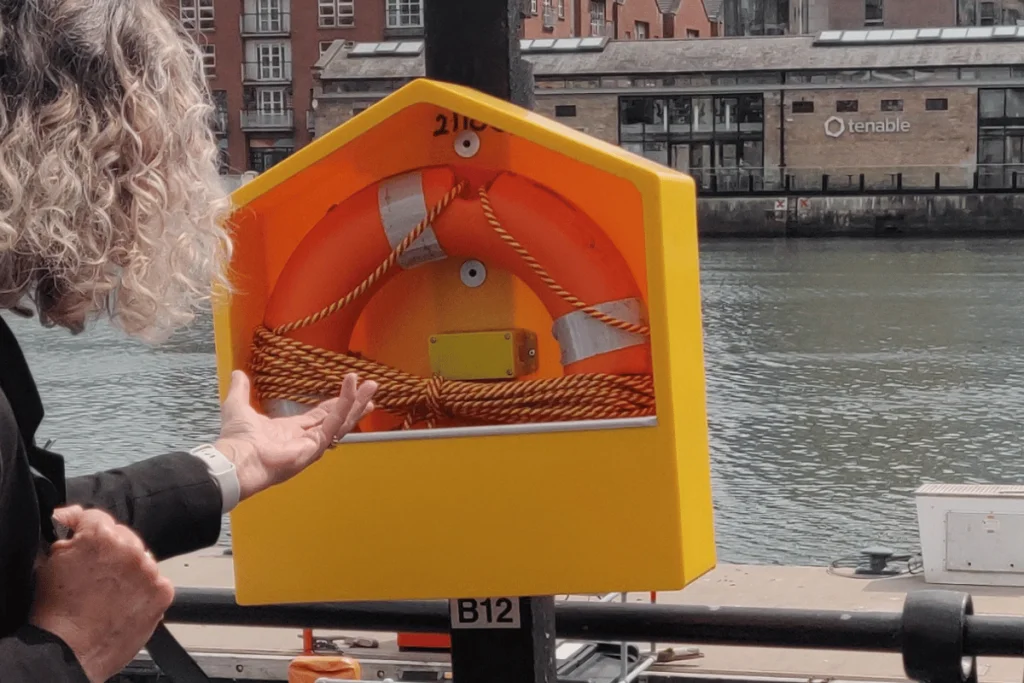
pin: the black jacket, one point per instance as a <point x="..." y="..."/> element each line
<point x="170" y="501"/>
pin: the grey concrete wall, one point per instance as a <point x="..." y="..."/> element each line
<point x="951" y="215"/>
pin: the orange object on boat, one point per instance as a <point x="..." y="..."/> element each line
<point x="309" y="669"/>
<point x="424" y="641"/>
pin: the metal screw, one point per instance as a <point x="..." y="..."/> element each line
<point x="508" y="336"/>
<point x="433" y="340"/>
<point x="533" y="352"/>
<point x="508" y="372"/>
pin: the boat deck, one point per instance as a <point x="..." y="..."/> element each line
<point x="263" y="653"/>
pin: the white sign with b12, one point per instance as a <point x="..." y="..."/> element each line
<point x="500" y="612"/>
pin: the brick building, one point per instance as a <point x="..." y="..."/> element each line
<point x="260" y="54"/>
<point x="768" y="112"/>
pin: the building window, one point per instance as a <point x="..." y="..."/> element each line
<point x="324" y="46"/>
<point x="209" y="60"/>
<point x="196" y="14"/>
<point x="271" y="101"/>
<point x="549" y="15"/>
<point x="597" y="19"/>
<point x="263" y="158"/>
<point x="643" y="30"/>
<point x="220" y="112"/>
<point x="272" y="62"/>
<point x="936" y="104"/>
<point x="405" y="14"/>
<point x="1000" y="137"/>
<point x="873" y="15"/>
<point x="719" y="140"/>
<point x="757" y="17"/>
<point x="270" y="18"/>
<point x="803" y="107"/>
<point x="533" y="7"/>
<point x="223" y="157"/>
<point x="692" y="33"/>
<point x="561" y="9"/>
<point x="336" y="13"/>
<point x="847" y="106"/>
<point x="565" y="111"/>
<point x="892" y="105"/>
<point x="989" y="13"/>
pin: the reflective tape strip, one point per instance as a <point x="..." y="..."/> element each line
<point x="402" y="207"/>
<point x="580" y="336"/>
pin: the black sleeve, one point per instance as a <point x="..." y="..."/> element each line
<point x="171" y="501"/>
<point x="32" y="655"/>
<point x="27" y="654"/>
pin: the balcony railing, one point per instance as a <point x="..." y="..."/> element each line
<point x="404" y="31"/>
<point x="278" y="71"/>
<point x="550" y="17"/>
<point x="262" y="119"/>
<point x="266" y="24"/>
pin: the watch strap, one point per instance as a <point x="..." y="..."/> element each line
<point x="223" y="472"/>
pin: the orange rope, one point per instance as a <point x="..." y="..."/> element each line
<point x="485" y="202"/>
<point x="284" y="368"/>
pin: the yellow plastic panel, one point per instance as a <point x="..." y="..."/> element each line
<point x="448" y="510"/>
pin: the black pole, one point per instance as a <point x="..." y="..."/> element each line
<point x="475" y="43"/>
<point x="485" y="652"/>
<point x="984" y="636"/>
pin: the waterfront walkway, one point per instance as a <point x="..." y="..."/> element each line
<point x="263" y="653"/>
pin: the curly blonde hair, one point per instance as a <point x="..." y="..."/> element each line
<point x="110" y="198"/>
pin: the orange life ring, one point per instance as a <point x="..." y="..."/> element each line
<point x="539" y="234"/>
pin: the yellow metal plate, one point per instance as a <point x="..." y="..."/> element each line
<point x="498" y="354"/>
<point x="520" y="510"/>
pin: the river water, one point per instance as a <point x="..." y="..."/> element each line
<point x="841" y="375"/>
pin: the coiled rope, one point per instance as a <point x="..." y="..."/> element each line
<point x="283" y="368"/>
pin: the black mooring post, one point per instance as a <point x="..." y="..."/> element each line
<point x="475" y="43"/>
<point x="520" y="650"/>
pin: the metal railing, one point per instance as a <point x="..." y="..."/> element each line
<point x="923" y="179"/>
<point x="549" y="18"/>
<point x="274" y="71"/>
<point x="259" y="119"/>
<point x="937" y="632"/>
<point x="265" y="23"/>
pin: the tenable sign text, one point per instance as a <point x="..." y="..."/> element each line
<point x="835" y="126"/>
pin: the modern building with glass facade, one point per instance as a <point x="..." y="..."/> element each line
<point x="872" y="110"/>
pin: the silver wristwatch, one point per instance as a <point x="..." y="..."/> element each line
<point x="223" y="472"/>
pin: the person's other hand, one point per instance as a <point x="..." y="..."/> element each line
<point x="267" y="451"/>
<point x="100" y="592"/>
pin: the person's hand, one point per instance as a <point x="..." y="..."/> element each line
<point x="267" y="451"/>
<point x="100" y="592"/>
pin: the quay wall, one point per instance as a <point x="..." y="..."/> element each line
<point x="903" y="215"/>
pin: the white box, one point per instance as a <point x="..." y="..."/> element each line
<point x="972" y="534"/>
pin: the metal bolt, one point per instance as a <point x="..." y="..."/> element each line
<point x="533" y="352"/>
<point x="433" y="340"/>
<point x="508" y="336"/>
<point x="508" y="372"/>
